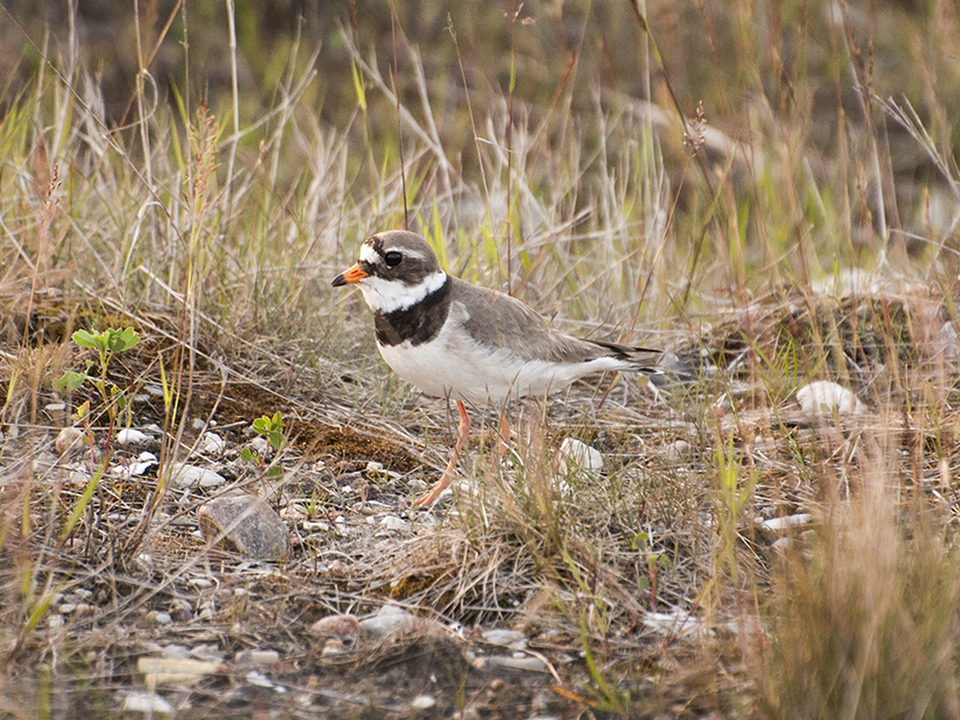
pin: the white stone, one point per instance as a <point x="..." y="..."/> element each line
<point x="129" y="436"/>
<point x="392" y="522"/>
<point x="823" y="397"/>
<point x="389" y="619"/>
<point x="146" y="702"/>
<point x="423" y="702"/>
<point x="575" y="455"/>
<point x="213" y="444"/>
<point x="174" y="651"/>
<point x="524" y="662"/>
<point x="677" y="450"/>
<point x="513" y="639"/>
<point x="678" y="622"/>
<point x="257" y="678"/>
<point x="186" y="476"/>
<point x="782" y="524"/>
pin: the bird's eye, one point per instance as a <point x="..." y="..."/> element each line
<point x="393" y="258"/>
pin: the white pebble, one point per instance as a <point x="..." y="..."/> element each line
<point x="575" y="455"/>
<point x="392" y="522"/>
<point x="129" y="436"/>
<point x="213" y="444"/>
<point x="423" y="702"/>
<point x="823" y="397"/>
<point x="146" y="702"/>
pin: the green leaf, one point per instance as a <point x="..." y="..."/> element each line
<point x="85" y="339"/>
<point x="70" y="380"/>
<point x="120" y="340"/>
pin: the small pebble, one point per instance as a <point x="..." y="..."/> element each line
<point x="389" y="619"/>
<point x="333" y="646"/>
<point x="146" y="702"/>
<point x="253" y="657"/>
<point x="213" y="444"/>
<point x="185" y="476"/>
<point x="514" y="639"/>
<point x="423" y="702"/>
<point x="527" y="662"/>
<point x="823" y="397"/>
<point x="68" y="439"/>
<point x="341" y="626"/>
<point x="779" y="525"/>
<point x="578" y="456"/>
<point x="129" y="436"/>
<point x="173" y="651"/>
<point x="392" y="522"/>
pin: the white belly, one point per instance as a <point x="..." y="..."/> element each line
<point x="455" y="366"/>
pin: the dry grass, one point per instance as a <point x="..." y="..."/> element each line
<point x="776" y="238"/>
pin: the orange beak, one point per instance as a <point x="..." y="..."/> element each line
<point x="354" y="275"/>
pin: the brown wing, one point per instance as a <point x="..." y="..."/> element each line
<point x="510" y="324"/>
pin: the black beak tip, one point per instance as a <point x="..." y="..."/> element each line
<point x="338" y="281"/>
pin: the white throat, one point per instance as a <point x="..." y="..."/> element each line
<point x="387" y="296"/>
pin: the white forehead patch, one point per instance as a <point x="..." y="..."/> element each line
<point x="368" y="254"/>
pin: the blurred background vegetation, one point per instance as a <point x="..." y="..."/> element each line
<point x="785" y="71"/>
<point x="731" y="143"/>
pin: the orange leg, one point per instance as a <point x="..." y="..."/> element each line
<point x="444" y="482"/>
<point x="504" y="436"/>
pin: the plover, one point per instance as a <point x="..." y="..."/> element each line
<point x="453" y="339"/>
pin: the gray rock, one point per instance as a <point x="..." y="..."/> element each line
<point x="513" y="639"/>
<point x="245" y="524"/>
<point x="528" y="662"/>
<point x="392" y="522"/>
<point x="388" y="620"/>
<point x="254" y="657"/>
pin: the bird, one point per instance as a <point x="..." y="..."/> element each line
<point x="453" y="339"/>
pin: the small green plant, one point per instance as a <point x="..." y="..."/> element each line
<point x="107" y="344"/>
<point x="655" y="561"/>
<point x="114" y="399"/>
<point x="272" y="429"/>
